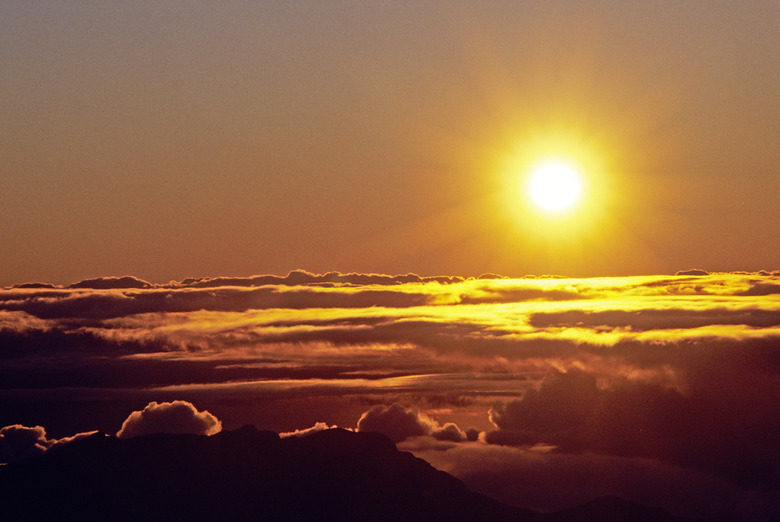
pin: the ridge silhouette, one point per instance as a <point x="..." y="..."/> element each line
<point x="247" y="474"/>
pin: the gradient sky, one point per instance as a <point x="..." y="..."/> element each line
<point x="215" y="140"/>
<point x="171" y="139"/>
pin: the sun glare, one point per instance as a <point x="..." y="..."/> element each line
<point x="557" y="190"/>
<point x="555" y="186"/>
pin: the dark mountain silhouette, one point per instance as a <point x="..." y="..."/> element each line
<point x="248" y="474"/>
<point x="609" y="509"/>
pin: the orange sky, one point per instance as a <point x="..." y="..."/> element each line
<point x="167" y="140"/>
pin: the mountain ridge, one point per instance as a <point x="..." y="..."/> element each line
<point x="248" y="474"/>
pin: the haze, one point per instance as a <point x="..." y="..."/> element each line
<point x="175" y="139"/>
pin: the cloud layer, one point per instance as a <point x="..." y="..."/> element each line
<point x="679" y="371"/>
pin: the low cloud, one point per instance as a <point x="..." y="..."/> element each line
<point x="692" y="272"/>
<point x="449" y="431"/>
<point x="546" y="480"/>
<point x="19" y="442"/>
<point x="396" y="422"/>
<point x="400" y="423"/>
<point x="108" y="303"/>
<point x="302" y="277"/>
<point x="647" y="320"/>
<point x="705" y="429"/>
<point x="112" y="282"/>
<point x="681" y="370"/>
<point x="318" y="426"/>
<point x="34" y="285"/>
<point x="169" y="417"/>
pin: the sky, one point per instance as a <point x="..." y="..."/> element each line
<point x="300" y="215"/>
<point x="167" y="140"/>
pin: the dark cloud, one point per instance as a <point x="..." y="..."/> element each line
<point x="63" y="341"/>
<point x="106" y="304"/>
<point x="19" y="442"/>
<point x="118" y="371"/>
<point x="105" y="283"/>
<point x="396" y="422"/>
<point x="692" y="272"/>
<point x="169" y="417"/>
<point x="758" y="289"/>
<point x="34" y="285"/>
<point x="400" y="423"/>
<point x="704" y="429"/>
<point x="472" y="434"/>
<point x="557" y="413"/>
<point x="449" y="431"/>
<point x="642" y="320"/>
<point x="302" y="277"/>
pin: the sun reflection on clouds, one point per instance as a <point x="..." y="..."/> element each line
<point x="489" y="359"/>
<point x="462" y="324"/>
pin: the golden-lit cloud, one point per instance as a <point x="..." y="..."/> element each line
<point x="638" y="370"/>
<point x="169" y="417"/>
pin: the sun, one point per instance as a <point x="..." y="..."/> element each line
<point x="555" y="186"/>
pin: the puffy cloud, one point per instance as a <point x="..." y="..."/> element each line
<point x="19" y="442"/>
<point x="169" y="417"/>
<point x="449" y="431"/>
<point x="400" y="423"/>
<point x="557" y="413"/>
<point x="396" y="422"/>
<point x="472" y="434"/>
<point x="709" y="428"/>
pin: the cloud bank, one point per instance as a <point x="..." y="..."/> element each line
<point x="671" y="374"/>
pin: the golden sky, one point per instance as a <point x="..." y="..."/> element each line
<point x="172" y="139"/>
<point x="189" y="145"/>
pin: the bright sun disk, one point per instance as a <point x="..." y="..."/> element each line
<point x="555" y="186"/>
